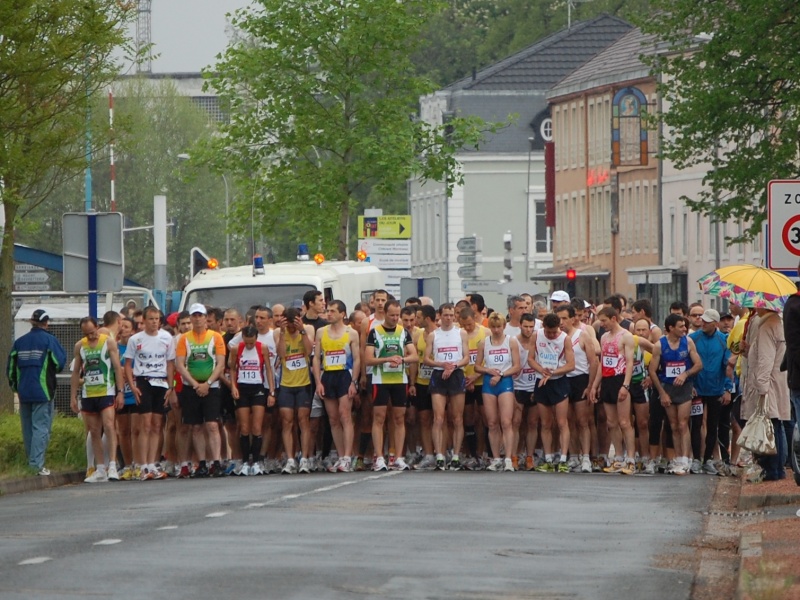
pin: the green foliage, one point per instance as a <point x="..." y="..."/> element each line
<point x="322" y="95"/>
<point x="66" y="452"/>
<point x="733" y="90"/>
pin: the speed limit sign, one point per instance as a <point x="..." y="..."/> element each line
<point x="783" y="229"/>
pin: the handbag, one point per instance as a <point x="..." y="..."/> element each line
<point x="758" y="436"/>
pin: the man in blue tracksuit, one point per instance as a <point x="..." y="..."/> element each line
<point x="713" y="385"/>
<point x="35" y="359"/>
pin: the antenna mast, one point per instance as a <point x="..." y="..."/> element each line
<point x="143" y="37"/>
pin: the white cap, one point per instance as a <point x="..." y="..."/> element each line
<point x="710" y="316"/>
<point x="197" y="308"/>
<point x="559" y="296"/>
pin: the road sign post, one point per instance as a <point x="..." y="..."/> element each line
<point x="783" y="225"/>
<point x="471" y="257"/>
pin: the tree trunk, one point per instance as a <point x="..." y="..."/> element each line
<point x="344" y="218"/>
<point x="6" y="287"/>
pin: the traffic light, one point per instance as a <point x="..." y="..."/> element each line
<point x="200" y="261"/>
<point x="571" y="279"/>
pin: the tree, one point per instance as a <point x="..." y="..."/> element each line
<point x="54" y="55"/>
<point x="731" y="80"/>
<point x="154" y="125"/>
<point x="321" y="96"/>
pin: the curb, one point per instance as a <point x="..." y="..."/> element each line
<point x="30" y="484"/>
<point x="752" y="502"/>
<point x="749" y="547"/>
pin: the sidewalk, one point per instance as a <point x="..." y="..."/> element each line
<point x="770" y="549"/>
<point x="29" y="484"/>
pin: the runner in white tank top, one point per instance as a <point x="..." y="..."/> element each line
<point x="524" y="386"/>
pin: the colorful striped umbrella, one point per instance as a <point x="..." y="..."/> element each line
<point x="749" y="286"/>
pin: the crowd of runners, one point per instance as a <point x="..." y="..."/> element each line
<point x="556" y="385"/>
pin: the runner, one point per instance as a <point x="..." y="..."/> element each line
<point x="473" y="382"/>
<point x="231" y="325"/>
<point x="640" y="383"/>
<point x="585" y="372"/>
<point x="552" y="360"/>
<point x="128" y="447"/>
<point x="674" y="363"/>
<point x="499" y="360"/>
<point x="389" y="349"/>
<point x="149" y="369"/>
<point x="643" y="309"/>
<point x="337" y="351"/>
<point x="418" y="390"/>
<point x="252" y="388"/>
<point x="517" y="306"/>
<point x="616" y="371"/>
<point x="200" y="360"/>
<point x="524" y="386"/>
<point x="447" y="351"/>
<point x="97" y="359"/>
<point x="294" y="349"/>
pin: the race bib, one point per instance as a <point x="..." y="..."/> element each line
<point x="390" y="368"/>
<point x="610" y="362"/>
<point x="161" y="383"/>
<point x="447" y="354"/>
<point x="673" y="369"/>
<point x="528" y="375"/>
<point x="425" y="371"/>
<point x="93" y="379"/>
<point x="250" y="376"/>
<point x="295" y="362"/>
<point x="638" y="369"/>
<point x="335" y="358"/>
<point x="473" y="357"/>
<point x="697" y="407"/>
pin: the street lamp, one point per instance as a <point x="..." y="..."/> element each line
<point x="184" y="156"/>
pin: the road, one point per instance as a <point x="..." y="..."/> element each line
<point x="391" y="535"/>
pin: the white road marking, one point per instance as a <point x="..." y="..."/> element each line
<point x="108" y="542"/>
<point x="255" y="505"/>
<point x="35" y="561"/>
<point x="214" y="515"/>
<point x="166" y="527"/>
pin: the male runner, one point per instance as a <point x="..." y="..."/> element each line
<point x="524" y="386"/>
<point x="473" y="383"/>
<point x="517" y="306"/>
<point x="418" y="389"/>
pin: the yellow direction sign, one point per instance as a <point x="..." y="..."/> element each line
<point x="387" y="227"/>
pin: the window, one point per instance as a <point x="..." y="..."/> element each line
<point x="573" y="136"/>
<point x="646" y="233"/>
<point x="591" y="133"/>
<point x="544" y="241"/>
<point x="592" y="222"/>
<point x="684" y="240"/>
<point x="574" y="225"/>
<point x="606" y="220"/>
<point x="712" y="237"/>
<point x="581" y="136"/>
<point x="673" y="242"/>
<point x="698" y="240"/>
<point x="582" y="214"/>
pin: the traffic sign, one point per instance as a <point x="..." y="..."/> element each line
<point x="32" y="287"/>
<point x="30" y="277"/>
<point x="480" y="285"/>
<point x="381" y="246"/>
<point x="469" y="244"/>
<point x="468" y="259"/>
<point x="783" y="224"/>
<point x="385" y="226"/>
<point x="470" y="271"/>
<point x="94" y="257"/>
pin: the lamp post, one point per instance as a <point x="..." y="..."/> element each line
<point x="185" y="156"/>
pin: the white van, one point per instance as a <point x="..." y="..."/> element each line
<point x="283" y="283"/>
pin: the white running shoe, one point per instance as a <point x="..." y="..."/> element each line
<point x="344" y="465"/>
<point x="508" y="465"/>
<point x="333" y="467"/>
<point x="650" y="467"/>
<point x="380" y="464"/>
<point x="574" y="464"/>
<point x="112" y="472"/>
<point x="428" y="463"/>
<point x="305" y="466"/>
<point x="400" y="464"/>
<point x="697" y="467"/>
<point x="99" y="476"/>
<point x="496" y="465"/>
<point x="245" y="470"/>
<point x="290" y="467"/>
<point x="255" y="469"/>
<point x="586" y="464"/>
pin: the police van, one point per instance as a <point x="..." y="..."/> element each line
<point x="282" y="283"/>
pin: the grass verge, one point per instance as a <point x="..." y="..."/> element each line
<point x="66" y="452"/>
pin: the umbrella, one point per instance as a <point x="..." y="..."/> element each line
<point x="749" y="286"/>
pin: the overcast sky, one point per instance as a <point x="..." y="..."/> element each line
<point x="188" y="34"/>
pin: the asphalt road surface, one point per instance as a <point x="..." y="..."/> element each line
<point x="359" y="535"/>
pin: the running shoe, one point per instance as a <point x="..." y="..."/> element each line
<point x="496" y="465"/>
<point x="216" y="470"/>
<point x="159" y="474"/>
<point x="508" y="465"/>
<point x="709" y="468"/>
<point x="392" y="460"/>
<point x="305" y="466"/>
<point x="680" y="469"/>
<point x="90" y="471"/>
<point x="650" y="467"/>
<point x="470" y="464"/>
<point x="125" y="474"/>
<point x="586" y="464"/>
<point x="99" y="476"/>
<point x="113" y="475"/>
<point x="426" y="464"/>
<point x="663" y="465"/>
<point x="724" y="469"/>
<point x="455" y="464"/>
<point x="400" y="464"/>
<point x="597" y="465"/>
<point x="344" y="465"/>
<point x="359" y="464"/>
<point x="696" y="468"/>
<point x="290" y="468"/>
<point x="615" y="467"/>
<point x="440" y="466"/>
<point x="244" y="470"/>
<point x="514" y="463"/>
<point x="137" y="473"/>
<point x="380" y="464"/>
<point x="146" y="475"/>
<point x="185" y="472"/>
<point x="232" y="467"/>
<point x="546" y="467"/>
<point x="573" y="463"/>
<point x="333" y="467"/>
<point x="529" y="463"/>
<point x="629" y="468"/>
<point x="563" y="467"/>
<point x="272" y="466"/>
<point x="255" y="469"/>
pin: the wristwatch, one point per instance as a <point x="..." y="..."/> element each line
<point x="627" y="386"/>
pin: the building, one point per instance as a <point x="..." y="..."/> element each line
<point x="503" y="183"/>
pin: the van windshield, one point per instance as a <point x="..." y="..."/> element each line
<point x="242" y="298"/>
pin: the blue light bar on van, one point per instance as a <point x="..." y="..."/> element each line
<point x="258" y="265"/>
<point x="302" y="252"/>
